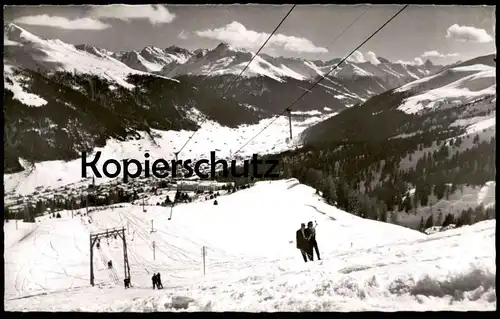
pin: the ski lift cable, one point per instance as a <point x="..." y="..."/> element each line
<point x="322" y="78"/>
<point x="327" y="46"/>
<point x="348" y="27"/>
<point x="237" y="76"/>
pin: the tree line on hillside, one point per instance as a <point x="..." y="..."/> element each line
<point x="467" y="216"/>
<point x="109" y="195"/>
<point x="82" y="111"/>
<point x="378" y="119"/>
<point x="366" y="178"/>
<point x="368" y="158"/>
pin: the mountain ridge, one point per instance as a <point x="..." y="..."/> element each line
<point x="123" y="86"/>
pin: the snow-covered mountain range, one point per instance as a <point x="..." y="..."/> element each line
<point x="460" y="96"/>
<point x="224" y="59"/>
<point x="27" y="50"/>
<point x="376" y="143"/>
<point x="62" y="98"/>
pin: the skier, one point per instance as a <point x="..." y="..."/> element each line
<point x="110" y="264"/>
<point x="98" y="246"/>
<point x="155" y="281"/>
<point x="312" y="239"/>
<point x="126" y="281"/>
<point x="159" y="285"/>
<point x="302" y="242"/>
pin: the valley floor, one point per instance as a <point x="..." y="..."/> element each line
<point x="251" y="264"/>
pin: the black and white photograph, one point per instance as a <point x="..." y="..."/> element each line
<point x="249" y="158"/>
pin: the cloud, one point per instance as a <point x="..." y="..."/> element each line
<point x="235" y="34"/>
<point x="416" y="61"/>
<point x="358" y="57"/>
<point x="63" y="23"/>
<point x="156" y="14"/>
<point x="468" y="34"/>
<point x="372" y="58"/>
<point x="183" y="35"/>
<point x="428" y="55"/>
<point x="436" y="54"/>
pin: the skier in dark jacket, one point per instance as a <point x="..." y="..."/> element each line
<point x="302" y="243"/>
<point x="159" y="285"/>
<point x="312" y="239"/>
<point x="155" y="281"/>
<point x="126" y="281"/>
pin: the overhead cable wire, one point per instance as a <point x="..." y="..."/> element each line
<point x="237" y="76"/>
<point x="345" y="30"/>
<point x="322" y="78"/>
<point x="349" y="26"/>
<point x="227" y="90"/>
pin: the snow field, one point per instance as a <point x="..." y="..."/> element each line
<point x="210" y="137"/>
<point x="14" y="84"/>
<point x="251" y="262"/>
<point x="460" y="90"/>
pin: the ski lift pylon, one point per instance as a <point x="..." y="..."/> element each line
<point x="289" y="111"/>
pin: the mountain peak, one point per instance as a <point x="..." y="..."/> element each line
<point x="176" y="49"/>
<point x="17" y="34"/>
<point x="223" y="46"/>
<point x="428" y="63"/>
<point x="173" y="47"/>
<point x="151" y="49"/>
<point x="12" y="27"/>
<point x="93" y="50"/>
<point x="383" y="60"/>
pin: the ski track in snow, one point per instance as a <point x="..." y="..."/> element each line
<point x="368" y="265"/>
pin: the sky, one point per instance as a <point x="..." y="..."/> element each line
<point x="443" y="34"/>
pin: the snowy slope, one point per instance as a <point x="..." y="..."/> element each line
<point x="27" y="50"/>
<point x="367" y="265"/>
<point x="450" y="87"/>
<point x="13" y="83"/>
<point x="210" y="137"/>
